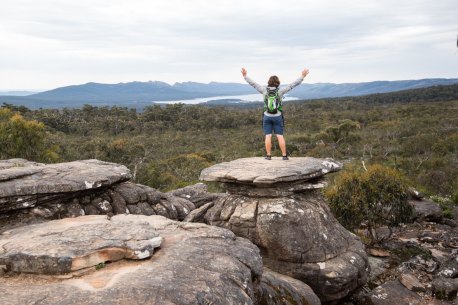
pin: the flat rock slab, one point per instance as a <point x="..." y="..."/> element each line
<point x="196" y="264"/>
<point x="71" y="244"/>
<point x="23" y="183"/>
<point x="259" y="171"/>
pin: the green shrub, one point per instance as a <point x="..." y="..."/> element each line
<point x="175" y="172"/>
<point x="446" y="203"/>
<point x="376" y="197"/>
<point x="22" y="138"/>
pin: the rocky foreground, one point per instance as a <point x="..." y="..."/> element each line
<point x="195" y="263"/>
<point x="32" y="192"/>
<point x="81" y="233"/>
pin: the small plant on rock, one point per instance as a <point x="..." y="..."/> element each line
<point x="376" y="197"/>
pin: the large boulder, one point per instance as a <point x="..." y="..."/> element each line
<point x="72" y="244"/>
<point x="27" y="184"/>
<point x="33" y="192"/>
<point x="426" y="210"/>
<point x="278" y="206"/>
<point x="196" y="264"/>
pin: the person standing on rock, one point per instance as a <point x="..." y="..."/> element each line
<point x="272" y="119"/>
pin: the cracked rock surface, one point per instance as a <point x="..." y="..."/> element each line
<point x="196" y="264"/>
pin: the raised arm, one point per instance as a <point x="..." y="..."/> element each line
<point x="258" y="87"/>
<point x="296" y="83"/>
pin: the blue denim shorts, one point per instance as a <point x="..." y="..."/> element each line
<point x="274" y="123"/>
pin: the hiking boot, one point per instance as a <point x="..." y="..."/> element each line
<point x="285" y="158"/>
<point x="268" y="157"/>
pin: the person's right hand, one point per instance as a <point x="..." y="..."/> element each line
<point x="244" y="72"/>
<point x="305" y="72"/>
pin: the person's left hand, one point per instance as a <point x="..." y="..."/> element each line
<point x="244" y="72"/>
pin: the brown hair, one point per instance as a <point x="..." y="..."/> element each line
<point x="273" y="81"/>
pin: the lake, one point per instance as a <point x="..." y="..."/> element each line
<point x="244" y="98"/>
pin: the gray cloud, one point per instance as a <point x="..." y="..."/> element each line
<point x="47" y="44"/>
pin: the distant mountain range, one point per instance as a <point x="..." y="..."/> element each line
<point x="141" y="94"/>
<point x="18" y="92"/>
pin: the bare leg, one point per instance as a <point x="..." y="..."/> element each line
<point x="268" y="142"/>
<point x="282" y="144"/>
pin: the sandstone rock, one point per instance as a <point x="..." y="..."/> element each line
<point x="378" y="266"/>
<point x="129" y="191"/>
<point x="449" y="268"/>
<point x="58" y="193"/>
<point x="146" y="209"/>
<point x="379" y="252"/>
<point x="259" y="171"/>
<point x="103" y="206"/>
<point x="279" y="189"/>
<point x="118" y="203"/>
<point x="428" y="236"/>
<point x="71" y="244"/>
<point x="161" y="210"/>
<point x="91" y="210"/>
<point x="445" y="288"/>
<point x="191" y="191"/>
<point x="134" y="209"/>
<point x="426" y="210"/>
<point x="278" y="289"/>
<point x="299" y="237"/>
<point x="178" y="207"/>
<point x="74" y="210"/>
<point x="197" y="264"/>
<point x="198" y="215"/>
<point x="412" y="283"/>
<point x="197" y="194"/>
<point x="153" y="196"/>
<point x="277" y="205"/>
<point x="442" y="302"/>
<point x="391" y="293"/>
<point x="29" y="185"/>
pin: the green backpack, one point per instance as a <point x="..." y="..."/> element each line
<point x="272" y="101"/>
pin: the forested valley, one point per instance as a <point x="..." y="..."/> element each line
<point x="166" y="147"/>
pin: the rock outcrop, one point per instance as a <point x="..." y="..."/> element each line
<point x="32" y="192"/>
<point x="196" y="263"/>
<point x="278" y="206"/>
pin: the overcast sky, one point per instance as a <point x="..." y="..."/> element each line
<point x="51" y="43"/>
